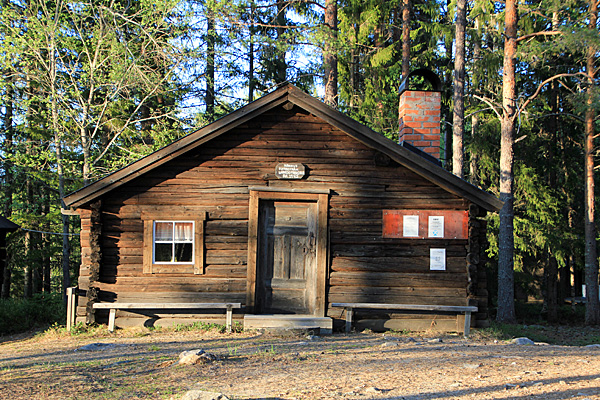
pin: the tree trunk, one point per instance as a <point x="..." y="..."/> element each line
<point x="209" y="98"/>
<point x="60" y="169"/>
<point x="552" y="265"/>
<point x="28" y="241"/>
<point x="280" y="64"/>
<point x="405" y="38"/>
<point x="251" y="54"/>
<point x="354" y="65"/>
<point x="447" y="114"/>
<point x="46" y="263"/>
<point x="330" y="59"/>
<point x="5" y="277"/>
<point x="506" y="290"/>
<point x="592" y="309"/>
<point x="458" y="127"/>
<point x="474" y="159"/>
<point x="476" y="87"/>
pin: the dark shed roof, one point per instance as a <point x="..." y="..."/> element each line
<point x="283" y="95"/>
<point x="7" y="226"/>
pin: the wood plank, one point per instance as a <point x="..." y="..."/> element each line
<point x="417" y="307"/>
<point x="395" y="264"/>
<point x="135" y="270"/>
<point x="162" y="306"/>
<point x="253" y="228"/>
<point x="387" y="296"/>
<point x="398" y="279"/>
<point x="433" y="324"/>
<point x="392" y="249"/>
<point x="165" y="296"/>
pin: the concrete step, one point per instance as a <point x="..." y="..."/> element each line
<point x="288" y="322"/>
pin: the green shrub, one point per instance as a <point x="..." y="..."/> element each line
<point x="40" y="311"/>
<point x="199" y="326"/>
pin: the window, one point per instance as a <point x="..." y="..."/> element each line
<point x="173" y="245"/>
<point x="173" y="242"/>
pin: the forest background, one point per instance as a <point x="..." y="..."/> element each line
<point x="89" y="86"/>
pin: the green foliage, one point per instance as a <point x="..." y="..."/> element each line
<point x="206" y="326"/>
<point x="574" y="335"/>
<point x="21" y="315"/>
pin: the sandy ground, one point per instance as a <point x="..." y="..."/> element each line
<point x="142" y="365"/>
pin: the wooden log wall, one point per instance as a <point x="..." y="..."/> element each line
<point x="91" y="261"/>
<point x="476" y="262"/>
<point x="214" y="179"/>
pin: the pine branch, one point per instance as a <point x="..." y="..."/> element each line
<point x="542" y="33"/>
<point x="494" y="107"/>
<point x="541" y="86"/>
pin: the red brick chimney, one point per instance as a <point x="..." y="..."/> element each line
<point x="419" y="114"/>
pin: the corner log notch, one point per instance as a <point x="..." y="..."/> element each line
<point x="91" y="256"/>
<point x="476" y="261"/>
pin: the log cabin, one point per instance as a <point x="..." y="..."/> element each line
<point x="287" y="207"/>
<point x="6" y="226"/>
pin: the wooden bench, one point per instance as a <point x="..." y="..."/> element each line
<point x="407" y="307"/>
<point x="113" y="307"/>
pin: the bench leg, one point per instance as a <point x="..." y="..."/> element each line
<point x="70" y="307"/>
<point x="111" y="319"/>
<point x="467" y="323"/>
<point x="348" y="319"/>
<point x="229" y="319"/>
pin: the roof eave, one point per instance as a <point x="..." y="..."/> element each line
<point x="417" y="164"/>
<point x="89" y="193"/>
<point x="420" y="166"/>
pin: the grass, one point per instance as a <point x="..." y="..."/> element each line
<point x="37" y="312"/>
<point x="552" y="334"/>
<point x="532" y="324"/>
<point x="199" y="326"/>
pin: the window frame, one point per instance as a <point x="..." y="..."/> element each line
<point x="173" y="241"/>
<point x="195" y="267"/>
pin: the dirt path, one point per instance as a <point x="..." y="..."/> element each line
<point x="256" y="366"/>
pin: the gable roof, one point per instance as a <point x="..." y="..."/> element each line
<point x="283" y="95"/>
<point x="7" y="225"/>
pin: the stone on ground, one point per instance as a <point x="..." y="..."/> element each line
<point x="522" y="341"/>
<point x="196" y="394"/>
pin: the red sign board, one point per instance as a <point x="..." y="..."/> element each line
<point x="425" y="224"/>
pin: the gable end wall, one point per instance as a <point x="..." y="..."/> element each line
<point x="214" y="179"/>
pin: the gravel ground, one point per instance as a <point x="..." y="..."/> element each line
<point x="143" y="365"/>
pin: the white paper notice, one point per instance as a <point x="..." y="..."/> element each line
<point x="436" y="227"/>
<point x="410" y="226"/>
<point x="437" y="259"/>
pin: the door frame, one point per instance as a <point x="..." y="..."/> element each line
<point x="321" y="197"/>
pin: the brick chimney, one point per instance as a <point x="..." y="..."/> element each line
<point x="419" y="114"/>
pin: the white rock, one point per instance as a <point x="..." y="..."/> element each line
<point x="195" y="394"/>
<point x="593" y="346"/>
<point x="437" y="340"/>
<point x="389" y="344"/>
<point x="96" y="346"/>
<point x="522" y="341"/>
<point x="198" y="356"/>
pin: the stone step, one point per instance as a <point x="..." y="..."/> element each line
<point x="286" y="321"/>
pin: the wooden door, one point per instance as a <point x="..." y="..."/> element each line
<point x="287" y="257"/>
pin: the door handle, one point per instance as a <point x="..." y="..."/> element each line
<point x="311" y="241"/>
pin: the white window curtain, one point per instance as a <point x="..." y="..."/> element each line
<point x="184" y="231"/>
<point x="163" y="231"/>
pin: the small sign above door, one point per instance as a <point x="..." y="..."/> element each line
<point x="290" y="171"/>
